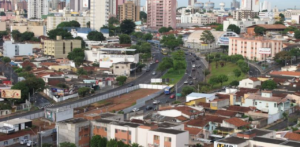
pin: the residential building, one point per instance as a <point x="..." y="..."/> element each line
<point x="287" y="13"/>
<point x="167" y="138"/>
<point x="113" y="6"/>
<point x="6" y="5"/>
<point x="235" y="123"/>
<point x="79" y="5"/>
<point x="11" y="49"/>
<point x="54" y="21"/>
<point x="75" y="130"/>
<point x="244" y="23"/>
<point x="60" y="48"/>
<point x="38" y="30"/>
<point x="255" y="48"/>
<point x="244" y="14"/>
<point x="17" y="124"/>
<point x="123" y="68"/>
<point x="266" y="15"/>
<point x="251" y="5"/>
<point x="54" y="4"/>
<point x="291" y="74"/>
<point x="218" y="104"/>
<point x="235" y="5"/>
<point x="2" y="26"/>
<point x="37" y="8"/>
<point x="194" y="96"/>
<point x="22" y="5"/>
<point x="250" y="83"/>
<point x="61" y="5"/>
<point x="296" y="18"/>
<point x="99" y="13"/>
<point x="160" y="13"/>
<point x="270" y="29"/>
<point x="106" y="57"/>
<point x="128" y="11"/>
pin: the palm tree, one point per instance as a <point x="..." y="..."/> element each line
<point x="207" y="37"/>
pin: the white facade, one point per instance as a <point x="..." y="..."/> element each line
<point x="250" y="5"/>
<point x="113" y="7"/>
<point x="16" y="49"/>
<point x="107" y="60"/>
<point x="54" y="21"/>
<point x="193" y="96"/>
<point x="115" y="128"/>
<point x="99" y="13"/>
<point x="177" y="140"/>
<point x="296" y="19"/>
<point x="248" y="83"/>
<point x="243" y="24"/>
<point x="37" y="8"/>
<point x="266" y="15"/>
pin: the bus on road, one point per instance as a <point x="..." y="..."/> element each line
<point x="169" y="90"/>
<point x="164" y="51"/>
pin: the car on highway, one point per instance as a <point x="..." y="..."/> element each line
<point x="195" y="77"/>
<point x="149" y="108"/>
<point x="155" y="102"/>
<point x="172" y="96"/>
<point x="148" y="69"/>
<point x="197" y="58"/>
<point x="135" y="109"/>
<point x="131" y="84"/>
<point x="186" y="82"/>
<point x="190" y="76"/>
<point x="156" y="61"/>
<point x="191" y="83"/>
<point x="31" y="143"/>
<point x="24" y="141"/>
<point x="153" y="73"/>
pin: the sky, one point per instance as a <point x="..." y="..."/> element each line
<point x="281" y="4"/>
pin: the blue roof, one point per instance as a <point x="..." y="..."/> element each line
<point x="104" y="31"/>
<point x="13" y="63"/>
<point x="79" y="29"/>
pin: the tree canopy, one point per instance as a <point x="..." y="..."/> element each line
<point x="269" y="85"/>
<point x="143" y="16"/>
<point x="124" y="39"/>
<point x="2" y="14"/>
<point x="234" y="28"/>
<point x="95" y="36"/>
<point x="67" y="144"/>
<point x="171" y="42"/>
<point x="165" y="29"/>
<point x="297" y="34"/>
<point x="72" y="23"/>
<point x="77" y="55"/>
<point x="207" y="37"/>
<point x="259" y="30"/>
<point x="127" y="26"/>
<point x="3" y="33"/>
<point x="6" y="60"/>
<point x="186" y="90"/>
<point x="59" y="32"/>
<point x="121" y="80"/>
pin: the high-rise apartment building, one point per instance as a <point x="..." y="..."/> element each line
<point x="235" y="5"/>
<point x="138" y="8"/>
<point x="54" y="4"/>
<point x="161" y="13"/>
<point x="6" y="5"/>
<point x="37" y="8"/>
<point x="99" y="13"/>
<point x="22" y="5"/>
<point x="192" y="2"/>
<point x="113" y="6"/>
<point x="128" y="11"/>
<point x="252" y="5"/>
<point x="61" y="5"/>
<point x="79" y="5"/>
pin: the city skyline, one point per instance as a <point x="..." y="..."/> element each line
<point x="279" y="3"/>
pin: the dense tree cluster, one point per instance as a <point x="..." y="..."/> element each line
<point x="72" y="23"/>
<point x="21" y="37"/>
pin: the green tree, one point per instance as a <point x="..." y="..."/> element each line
<point x="234" y="28"/>
<point x="2" y="14"/>
<point x="98" y="141"/>
<point x="282" y="56"/>
<point x="290" y="28"/>
<point x="186" y="90"/>
<point x="16" y="35"/>
<point x="95" y="36"/>
<point x="72" y="23"/>
<point x="219" y="27"/>
<point x="127" y="26"/>
<point x="35" y="39"/>
<point x="47" y="145"/>
<point x="213" y="81"/>
<point x="259" y="30"/>
<point x="67" y="144"/>
<point x="121" y="80"/>
<point x="137" y="35"/>
<point x="83" y="91"/>
<point x="3" y="33"/>
<point x="269" y="85"/>
<point x="24" y="90"/>
<point x="282" y="17"/>
<point x="234" y="83"/>
<point x="148" y="36"/>
<point x="237" y="73"/>
<point x="34" y="83"/>
<point x="113" y="20"/>
<point x="222" y="78"/>
<point x="135" y="145"/>
<point x="27" y="68"/>
<point x="83" y="44"/>
<point x="124" y="39"/>
<point x="6" y="60"/>
<point x="81" y="71"/>
<point x="88" y="24"/>
<point x="207" y="37"/>
<point x="166" y="63"/>
<point x="77" y="55"/>
<point x="206" y="72"/>
<point x="278" y="22"/>
<point x="59" y="32"/>
<point x="170" y="42"/>
<point x="179" y="65"/>
<point x="297" y="34"/>
<point x="143" y="16"/>
<point x="26" y="36"/>
<point x="295" y="52"/>
<point x="164" y="29"/>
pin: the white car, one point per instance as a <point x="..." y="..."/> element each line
<point x="135" y="109"/>
<point x="156" y="102"/>
<point x="29" y="143"/>
<point x="24" y="141"/>
<point x="186" y="82"/>
<point x="154" y="73"/>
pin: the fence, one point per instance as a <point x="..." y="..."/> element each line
<point x="65" y="97"/>
<point x="151" y="86"/>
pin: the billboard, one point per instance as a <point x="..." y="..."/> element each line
<point x="11" y="94"/>
<point x="223" y="41"/>
<point x="49" y="115"/>
<point x="265" y="51"/>
<point x="85" y="3"/>
<point x="156" y="80"/>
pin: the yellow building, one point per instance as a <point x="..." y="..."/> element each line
<point x="60" y="48"/>
<point x="195" y="101"/>
<point x="60" y="67"/>
<point x="129" y="11"/>
<point x="37" y="30"/>
<point x="3" y="26"/>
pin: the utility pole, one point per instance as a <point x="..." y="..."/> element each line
<point x="176" y="92"/>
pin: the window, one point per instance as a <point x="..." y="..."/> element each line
<point x="117" y="66"/>
<point x="86" y="135"/>
<point x="275" y="105"/>
<point x="267" y="104"/>
<point x="123" y="130"/>
<point x="168" y="139"/>
<point x="105" y="129"/>
<point x="156" y="137"/>
<point x="116" y="130"/>
<point x="255" y="103"/>
<point x="129" y="141"/>
<point x="129" y="132"/>
<point x="16" y="140"/>
<point x="64" y="48"/>
<point x="124" y="140"/>
<point x="5" y="142"/>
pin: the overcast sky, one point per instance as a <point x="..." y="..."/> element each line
<point x="281" y="4"/>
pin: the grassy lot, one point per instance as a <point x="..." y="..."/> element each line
<point x="174" y="75"/>
<point x="227" y="70"/>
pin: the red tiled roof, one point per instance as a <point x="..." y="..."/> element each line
<point x="243" y="91"/>
<point x="225" y="113"/>
<point x="202" y="121"/>
<point x="239" y="109"/>
<point x="28" y="63"/>
<point x="272" y="99"/>
<point x="236" y="122"/>
<point x="285" y="73"/>
<point x="182" y="118"/>
<point x="223" y="96"/>
<point x="217" y="100"/>
<point x="205" y="105"/>
<point x="184" y="109"/>
<point x="292" y="136"/>
<point x="48" y="64"/>
<point x="89" y="68"/>
<point x="270" y="26"/>
<point x="253" y="79"/>
<point x="193" y="131"/>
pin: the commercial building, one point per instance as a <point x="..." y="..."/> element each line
<point x="106" y="57"/>
<point x="244" y="23"/>
<point x="128" y="11"/>
<point x="255" y="48"/>
<point x="76" y="130"/>
<point x="60" y="48"/>
<point x="54" y="21"/>
<point x="37" y="8"/>
<point x="99" y="14"/>
<point x="161" y="13"/>
<point x="11" y="49"/>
